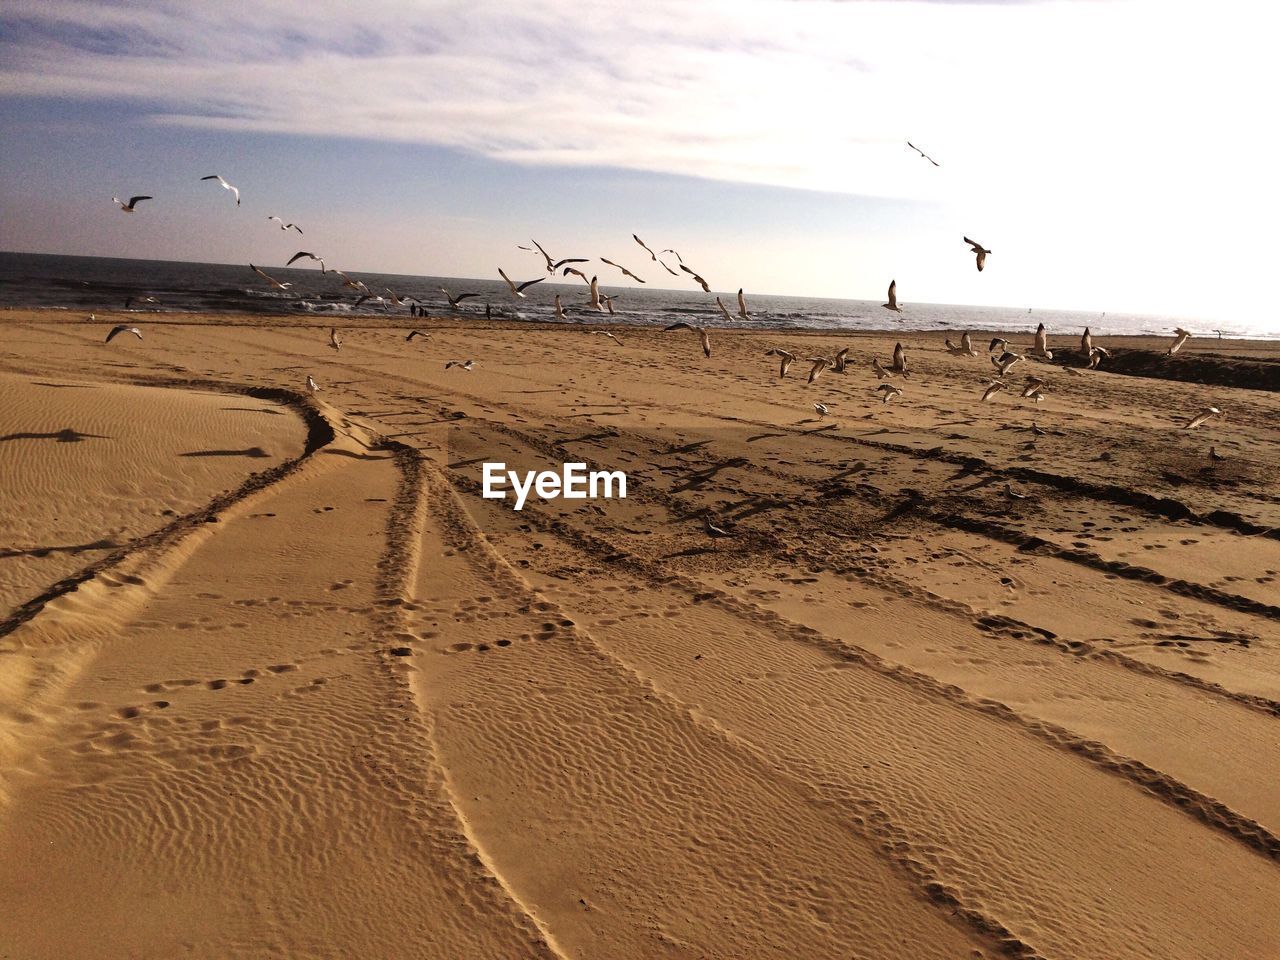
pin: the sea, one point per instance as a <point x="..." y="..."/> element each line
<point x="89" y="284"/>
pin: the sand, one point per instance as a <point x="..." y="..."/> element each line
<point x="275" y="679"/>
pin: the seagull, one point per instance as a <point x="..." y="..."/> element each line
<point x="1033" y="386"/>
<point x="312" y="386"/>
<point x="310" y="256"/>
<point x="841" y="361"/>
<point x="1095" y="356"/>
<point x="285" y="226"/>
<point x="979" y="251"/>
<point x="819" y="364"/>
<point x="717" y="531"/>
<point x="559" y="309"/>
<point x="1208" y="413"/>
<point x="417" y="333"/>
<point x="1086" y="342"/>
<point x="554" y="265"/>
<point x="1013" y="494"/>
<point x="1215" y="455"/>
<point x="998" y="343"/>
<point x="787" y="356"/>
<point x="821" y="408"/>
<point x="655" y="257"/>
<point x="595" y="294"/>
<point x="881" y="372"/>
<point x="454" y="301"/>
<point x="724" y="311"/>
<point x="888" y="391"/>
<point x="625" y="271"/>
<point x="923" y="154"/>
<point x="123" y="328"/>
<point x="335" y="341"/>
<point x="225" y="185"/>
<point x="965" y="349"/>
<point x="517" y="290"/>
<point x="993" y="388"/>
<point x="1005" y="361"/>
<point x="464" y="364"/>
<point x="652" y="255"/>
<point x="1182" y="337"/>
<point x="899" y="361"/>
<point x="742" y="306"/>
<point x="606" y="333"/>
<point x="682" y="325"/>
<point x="679" y="258"/>
<point x="569" y="270"/>
<point x="129" y="207"/>
<point x="370" y="296"/>
<point x="1041" y="346"/>
<point x="271" y="280"/>
<point x="702" y="283"/>
<point x="893" y="298"/>
<point x="608" y="303"/>
<point x="129" y="300"/>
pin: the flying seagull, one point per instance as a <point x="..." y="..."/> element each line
<point x="271" y="280"/>
<point x="606" y="333"/>
<point x="554" y="265"/>
<point x="559" y="309"/>
<point x="724" y="311"/>
<point x="335" y="341"/>
<point x="998" y="343"/>
<point x="518" y="290"/>
<point x="899" y="361"/>
<point x="285" y="226"/>
<point x="841" y="361"/>
<point x="819" y="364"/>
<point x="123" y="328"/>
<point x="1182" y="337"/>
<point x="129" y="300"/>
<point x="129" y="207"/>
<point x="742" y="306"/>
<point x="464" y="364"/>
<point x="595" y="295"/>
<point x="623" y="269"/>
<point x="681" y="325"/>
<point x="702" y="283"/>
<point x="994" y="387"/>
<point x="965" y="349"/>
<point x="923" y="154"/>
<point x="893" y="298"/>
<point x="1095" y="357"/>
<point x="1005" y="361"/>
<point x="651" y="254"/>
<point x="787" y="358"/>
<point x="888" y="391"/>
<point x="1208" y="413"/>
<point x="417" y="333"/>
<point x="225" y="185"/>
<point x="454" y="301"/>
<point x="1041" y="346"/>
<point x="717" y="531"/>
<point x="821" y="408"/>
<point x="1086" y="342"/>
<point x="575" y="270"/>
<point x="979" y="252"/>
<point x="310" y="256"/>
<point x="608" y="303"/>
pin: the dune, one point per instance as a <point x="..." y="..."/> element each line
<point x="276" y="679"/>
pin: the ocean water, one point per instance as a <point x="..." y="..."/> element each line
<point x="89" y="284"/>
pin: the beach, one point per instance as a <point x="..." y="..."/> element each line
<point x="930" y="678"/>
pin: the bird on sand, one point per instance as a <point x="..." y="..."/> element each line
<point x="1215" y="455"/>
<point x="417" y="333"/>
<point x="821" y="408"/>
<point x="787" y="358"/>
<point x="283" y="225"/>
<point x="923" y="154"/>
<point x="335" y="341"/>
<point x="1013" y="494"/>
<point x="225" y="186"/>
<point x="130" y="207"/>
<point x="819" y="364"/>
<point x="682" y="325"/>
<point x="1208" y="413"/>
<point x="454" y="301"/>
<point x="980" y="253"/>
<point x="1182" y="337"/>
<point x="702" y="283"/>
<point x="994" y="387"/>
<point x="518" y="290"/>
<point x="1041" y="347"/>
<point x="888" y="391"/>
<point x="271" y="280"/>
<point x="312" y="386"/>
<point x="717" y="531"/>
<point x="893" y="298"/>
<point x="965" y="348"/>
<point x="123" y="328"/>
<point x="899" y="366"/>
<point x="1095" y="356"/>
<point x="464" y="364"/>
<point x="742" y="306"/>
<point x="624" y="270"/>
<point x="1086" y="342"/>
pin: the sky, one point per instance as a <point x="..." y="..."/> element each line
<point x="1112" y="155"/>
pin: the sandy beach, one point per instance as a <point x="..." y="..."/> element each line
<point x="958" y="679"/>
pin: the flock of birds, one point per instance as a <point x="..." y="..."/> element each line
<point x="1003" y="354"/>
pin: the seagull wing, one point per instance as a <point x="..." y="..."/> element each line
<point x="706" y="341"/>
<point x="133" y="200"/>
<point x="1042" y="339"/>
<point x="680" y="325"/>
<point x="899" y="357"/>
<point x="300" y="254"/>
<point x="742" y="306"/>
<point x="646" y="249"/>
